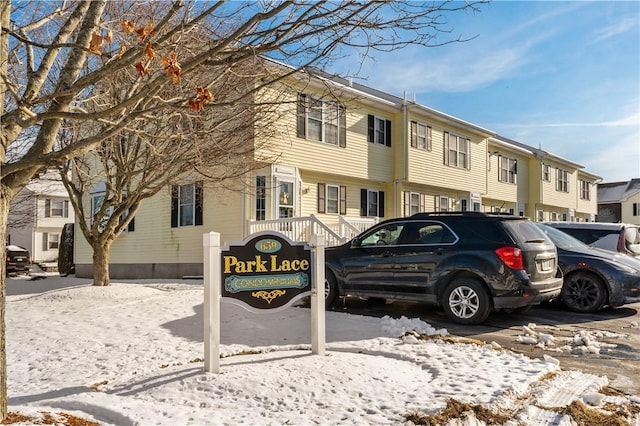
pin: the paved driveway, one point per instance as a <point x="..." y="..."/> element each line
<point x="606" y="343"/>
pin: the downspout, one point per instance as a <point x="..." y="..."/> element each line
<point x="405" y="157"/>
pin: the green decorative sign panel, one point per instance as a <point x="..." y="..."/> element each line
<point x="267" y="271"/>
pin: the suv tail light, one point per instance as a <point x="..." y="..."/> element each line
<point x="511" y="256"/>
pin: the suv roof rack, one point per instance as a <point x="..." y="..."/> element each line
<point x="461" y="214"/>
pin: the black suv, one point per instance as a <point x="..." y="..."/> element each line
<point x="469" y="263"/>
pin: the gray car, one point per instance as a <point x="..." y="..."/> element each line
<point x="616" y="237"/>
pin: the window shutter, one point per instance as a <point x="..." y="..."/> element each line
<point x="132" y="225"/>
<point x="387" y="134"/>
<point x="436" y="203"/>
<point x="635" y="209"/>
<point x="302" y="116"/>
<point x="468" y="156"/>
<point x="429" y="138"/>
<point x="423" y="202"/>
<point x="65" y="212"/>
<point x="380" y="203"/>
<point x="371" y="128"/>
<point x="446" y="148"/>
<point x="47" y="208"/>
<point x="499" y="168"/>
<point x="174" y="206"/>
<point x="321" y="197"/>
<point x="363" y="202"/>
<point x="343" y="128"/>
<point x="406" y="201"/>
<point x="198" y="206"/>
<point x="343" y="199"/>
<point x="414" y="134"/>
<point x="45" y="242"/>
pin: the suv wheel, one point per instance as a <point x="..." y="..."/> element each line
<point x="330" y="289"/>
<point x="583" y="292"/>
<point x="466" y="301"/>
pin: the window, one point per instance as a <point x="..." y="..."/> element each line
<point x="379" y="130"/>
<point x="585" y="190"/>
<point x="456" y="150"/>
<point x="562" y="180"/>
<point x="463" y="205"/>
<point x="443" y="204"/>
<point x="420" y="136"/>
<point x="508" y="169"/>
<point x="97" y="199"/>
<point x="322" y="121"/>
<point x="56" y="208"/>
<point x="371" y="203"/>
<point x="636" y="209"/>
<point x="540" y="215"/>
<point x="332" y="198"/>
<point x="384" y="235"/>
<point x="546" y="172"/>
<point x="50" y="241"/>
<point x="186" y="205"/>
<point x="261" y="197"/>
<point x="413" y="203"/>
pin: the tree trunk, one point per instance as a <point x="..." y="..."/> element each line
<point x="101" y="252"/>
<point x="4" y="211"/>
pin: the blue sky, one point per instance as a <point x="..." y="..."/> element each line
<point x="563" y="76"/>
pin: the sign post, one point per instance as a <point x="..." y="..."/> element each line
<point x="318" y="337"/>
<point x="211" y="245"/>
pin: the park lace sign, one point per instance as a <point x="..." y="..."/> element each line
<point x="267" y="271"/>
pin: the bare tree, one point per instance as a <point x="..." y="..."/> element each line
<point x="55" y="54"/>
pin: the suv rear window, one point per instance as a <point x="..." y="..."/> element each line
<point x="525" y="231"/>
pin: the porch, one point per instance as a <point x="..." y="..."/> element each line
<point x="302" y="228"/>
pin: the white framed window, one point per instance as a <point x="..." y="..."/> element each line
<point x="186" y="205"/>
<point x="554" y="216"/>
<point x="420" y="136"/>
<point x="56" y="207"/>
<point x="562" y="180"/>
<point x="507" y="169"/>
<point x="414" y="202"/>
<point x="546" y="172"/>
<point x="540" y="215"/>
<point x="456" y="150"/>
<point x="378" y="130"/>
<point x="443" y="203"/>
<point x="50" y="241"/>
<point x="261" y="198"/>
<point x="585" y="190"/>
<point x="321" y="120"/>
<point x="371" y="203"/>
<point x="332" y="198"/>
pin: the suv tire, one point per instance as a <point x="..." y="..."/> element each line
<point x="330" y="289"/>
<point x="583" y="292"/>
<point x="466" y="301"/>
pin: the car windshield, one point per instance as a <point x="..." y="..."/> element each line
<point x="560" y="239"/>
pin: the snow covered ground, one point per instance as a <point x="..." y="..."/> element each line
<point x="132" y="354"/>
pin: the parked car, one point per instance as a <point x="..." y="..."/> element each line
<point x="17" y="260"/>
<point x="593" y="277"/>
<point x="618" y="237"/>
<point x="469" y="263"/>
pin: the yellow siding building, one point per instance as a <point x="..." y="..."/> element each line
<point x="349" y="156"/>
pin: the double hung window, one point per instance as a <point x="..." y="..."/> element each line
<point x="186" y="205"/>
<point x="378" y="130"/>
<point x="371" y="203"/>
<point x="321" y="120"/>
<point x="420" y="136"/>
<point x="508" y="169"/>
<point x="562" y="180"/>
<point x="456" y="150"/>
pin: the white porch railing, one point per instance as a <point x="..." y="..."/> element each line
<point x="350" y="227"/>
<point x="299" y="229"/>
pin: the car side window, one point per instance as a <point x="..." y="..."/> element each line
<point x="427" y="233"/>
<point x="385" y="235"/>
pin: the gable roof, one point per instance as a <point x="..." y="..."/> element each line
<point x="615" y="192"/>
